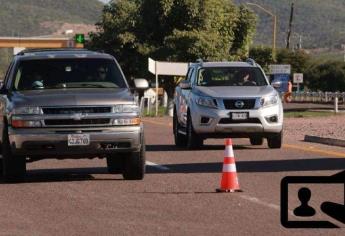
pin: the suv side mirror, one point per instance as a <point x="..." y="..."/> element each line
<point x="185" y="84"/>
<point x="141" y="84"/>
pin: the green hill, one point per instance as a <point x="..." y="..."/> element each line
<point x="24" y="17"/>
<point x="319" y="22"/>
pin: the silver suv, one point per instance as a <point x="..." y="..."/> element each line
<point x="69" y="104"/>
<point x="227" y="99"/>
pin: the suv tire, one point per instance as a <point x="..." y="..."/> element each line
<point x="193" y="141"/>
<point x="275" y="141"/>
<point x="180" y="139"/>
<point x="13" y="167"/>
<point x="256" y="140"/>
<point x="115" y="163"/>
<point x="134" y="164"/>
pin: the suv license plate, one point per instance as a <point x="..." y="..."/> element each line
<point x="239" y="116"/>
<point x="78" y="139"/>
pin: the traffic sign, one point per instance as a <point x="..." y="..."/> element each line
<point x="298" y="78"/>
<point x="80" y="38"/>
<point x="280" y="69"/>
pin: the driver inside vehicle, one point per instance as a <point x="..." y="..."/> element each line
<point x="102" y="73"/>
<point x="247" y="80"/>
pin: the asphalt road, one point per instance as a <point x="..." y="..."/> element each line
<point x="177" y="196"/>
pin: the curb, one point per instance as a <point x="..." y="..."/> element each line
<point x="328" y="141"/>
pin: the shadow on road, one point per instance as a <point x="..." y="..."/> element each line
<point x="173" y="148"/>
<point x="67" y="175"/>
<point x="261" y="166"/>
<point x="87" y="174"/>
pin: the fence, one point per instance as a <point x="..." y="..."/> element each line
<point x="318" y="97"/>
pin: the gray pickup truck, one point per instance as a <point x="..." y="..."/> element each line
<point x="69" y="103"/>
<point x="227" y="99"/>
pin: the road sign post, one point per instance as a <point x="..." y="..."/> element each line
<point x="298" y="79"/>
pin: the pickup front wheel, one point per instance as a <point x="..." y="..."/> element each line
<point x="275" y="141"/>
<point x="180" y="139"/>
<point x="13" y="167"/>
<point x="193" y="141"/>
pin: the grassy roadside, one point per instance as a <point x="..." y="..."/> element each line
<point x="304" y="114"/>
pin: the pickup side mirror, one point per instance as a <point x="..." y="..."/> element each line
<point x="276" y="84"/>
<point x="185" y="84"/>
<point x="141" y="84"/>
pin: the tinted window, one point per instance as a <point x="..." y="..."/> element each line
<point x="231" y="76"/>
<point x="68" y="73"/>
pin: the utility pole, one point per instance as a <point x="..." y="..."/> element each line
<point x="290" y="27"/>
<point x="274" y="33"/>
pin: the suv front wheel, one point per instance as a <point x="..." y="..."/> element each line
<point x="13" y="167"/>
<point x="134" y="163"/>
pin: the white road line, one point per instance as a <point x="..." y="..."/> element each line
<point x="160" y="167"/>
<point x="258" y="201"/>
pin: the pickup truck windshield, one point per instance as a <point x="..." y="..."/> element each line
<point x="230" y="76"/>
<point x="68" y="73"/>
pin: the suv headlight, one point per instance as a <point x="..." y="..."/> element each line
<point x="129" y="115"/>
<point x="27" y="111"/>
<point x="206" y="102"/>
<point x="269" y="100"/>
<point x="126" y="109"/>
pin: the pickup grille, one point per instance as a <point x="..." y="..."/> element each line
<point x="71" y="122"/>
<point x="229" y="104"/>
<point x="247" y="121"/>
<point x="74" y="110"/>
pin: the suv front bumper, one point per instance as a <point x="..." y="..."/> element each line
<point x="53" y="143"/>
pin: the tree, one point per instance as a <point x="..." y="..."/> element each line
<point x="328" y="76"/>
<point x="172" y="30"/>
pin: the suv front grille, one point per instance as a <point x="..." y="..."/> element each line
<point x="74" y="110"/>
<point x="230" y="104"/>
<point x="71" y="122"/>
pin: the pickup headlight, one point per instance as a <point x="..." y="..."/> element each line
<point x="126" y="109"/>
<point x="206" y="102"/>
<point x="27" y="111"/>
<point x="269" y="100"/>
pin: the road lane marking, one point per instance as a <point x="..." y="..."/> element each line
<point x="314" y="150"/>
<point x="262" y="203"/>
<point x="160" y="167"/>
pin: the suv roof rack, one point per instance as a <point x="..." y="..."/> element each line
<point x="251" y="61"/>
<point x="33" y="50"/>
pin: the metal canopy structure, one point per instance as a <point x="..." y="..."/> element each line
<point x="19" y="42"/>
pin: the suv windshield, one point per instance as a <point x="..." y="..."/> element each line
<point x="230" y="76"/>
<point x="68" y="73"/>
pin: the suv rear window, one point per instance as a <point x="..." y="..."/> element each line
<point x="68" y="73"/>
<point x="231" y="76"/>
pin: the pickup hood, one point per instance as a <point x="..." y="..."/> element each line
<point x="234" y="91"/>
<point x="72" y="97"/>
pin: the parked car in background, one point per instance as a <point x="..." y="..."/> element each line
<point x="227" y="99"/>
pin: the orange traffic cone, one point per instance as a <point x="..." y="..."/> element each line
<point x="229" y="182"/>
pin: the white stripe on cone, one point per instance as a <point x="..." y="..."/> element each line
<point x="229" y="168"/>
<point x="229" y="152"/>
